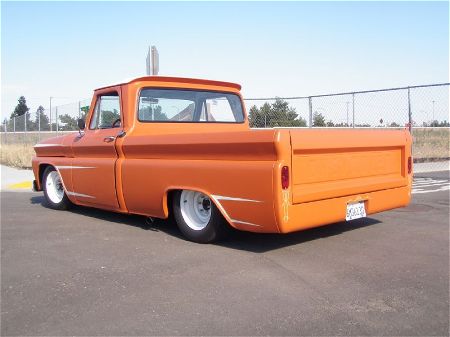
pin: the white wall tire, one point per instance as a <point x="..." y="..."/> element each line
<point x="53" y="187"/>
<point x="197" y="217"/>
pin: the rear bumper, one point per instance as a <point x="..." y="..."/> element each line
<point x="318" y="213"/>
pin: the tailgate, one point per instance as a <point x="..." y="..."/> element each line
<point x="334" y="163"/>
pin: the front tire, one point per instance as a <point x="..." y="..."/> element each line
<point x="198" y="218"/>
<point x="54" y="193"/>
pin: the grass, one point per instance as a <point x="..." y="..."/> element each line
<point x="431" y="144"/>
<point x="16" y="149"/>
<point x="16" y="155"/>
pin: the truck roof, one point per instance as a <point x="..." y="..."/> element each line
<point x="194" y="81"/>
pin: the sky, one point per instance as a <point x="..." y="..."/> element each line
<point x="67" y="49"/>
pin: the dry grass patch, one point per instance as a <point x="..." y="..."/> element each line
<point x="16" y="155"/>
<point x="431" y="143"/>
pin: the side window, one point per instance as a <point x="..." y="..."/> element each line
<point x="106" y="112"/>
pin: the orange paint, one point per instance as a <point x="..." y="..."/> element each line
<point x="239" y="168"/>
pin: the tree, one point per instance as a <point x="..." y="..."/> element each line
<point x="84" y="111"/>
<point x="279" y="113"/>
<point x="21" y="108"/>
<point x="438" y="124"/>
<point x="394" y="125"/>
<point x="67" y="123"/>
<point x="42" y="122"/>
<point x="318" y="119"/>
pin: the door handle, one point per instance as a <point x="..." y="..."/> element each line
<point x="109" y="139"/>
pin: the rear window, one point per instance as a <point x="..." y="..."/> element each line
<point x="174" y="105"/>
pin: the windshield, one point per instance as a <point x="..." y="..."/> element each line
<point x="174" y="105"/>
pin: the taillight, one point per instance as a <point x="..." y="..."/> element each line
<point x="285" y="177"/>
<point x="409" y="165"/>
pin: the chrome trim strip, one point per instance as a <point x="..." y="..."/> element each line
<point x="46" y="145"/>
<point x="221" y="197"/>
<point x="79" y="195"/>
<point x="74" y="167"/>
<point x="245" y="223"/>
<point x="216" y="199"/>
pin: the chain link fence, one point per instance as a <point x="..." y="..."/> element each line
<point x="424" y="107"/>
<point x="54" y="119"/>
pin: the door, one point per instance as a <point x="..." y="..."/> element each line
<point x="95" y="155"/>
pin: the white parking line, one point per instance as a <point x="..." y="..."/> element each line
<point x="442" y="188"/>
<point x="429" y="185"/>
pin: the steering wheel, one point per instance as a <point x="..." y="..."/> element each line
<point x="116" y="123"/>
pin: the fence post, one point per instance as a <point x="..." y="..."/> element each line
<point x="14" y="124"/>
<point x="39" y="121"/>
<point x="409" y="110"/>
<point x="310" y="111"/>
<point x="56" y="115"/>
<point x="25" y="121"/>
<point x="353" y="109"/>
<point x="79" y="109"/>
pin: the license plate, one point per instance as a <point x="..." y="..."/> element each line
<point x="355" y="211"/>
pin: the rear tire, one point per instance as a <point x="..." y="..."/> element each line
<point x="198" y="218"/>
<point x="54" y="192"/>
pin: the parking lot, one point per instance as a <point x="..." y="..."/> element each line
<point x="90" y="272"/>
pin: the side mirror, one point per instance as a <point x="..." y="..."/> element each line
<point x="81" y="124"/>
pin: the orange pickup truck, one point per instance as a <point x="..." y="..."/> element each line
<point x="164" y="146"/>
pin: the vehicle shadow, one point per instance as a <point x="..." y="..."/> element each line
<point x="260" y="243"/>
<point x="246" y="241"/>
<point x="134" y="220"/>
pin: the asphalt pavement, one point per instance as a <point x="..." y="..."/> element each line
<point x="90" y="272"/>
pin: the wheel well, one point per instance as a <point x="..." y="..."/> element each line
<point x="169" y="201"/>
<point x="42" y="168"/>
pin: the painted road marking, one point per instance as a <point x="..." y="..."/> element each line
<point x="429" y="185"/>
<point x="22" y="185"/>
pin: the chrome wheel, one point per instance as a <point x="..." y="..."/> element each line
<point x="54" y="187"/>
<point x="195" y="209"/>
